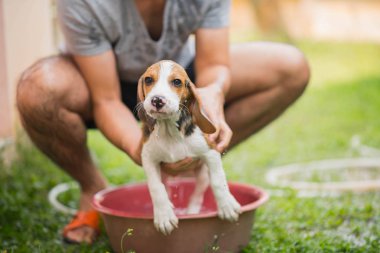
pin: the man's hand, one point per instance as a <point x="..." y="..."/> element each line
<point x="213" y="77"/>
<point x="181" y="167"/>
<point x="212" y="97"/>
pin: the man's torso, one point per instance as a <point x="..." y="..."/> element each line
<point x="138" y="40"/>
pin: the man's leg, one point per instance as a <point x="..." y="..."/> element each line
<point x="266" y="79"/>
<point x="53" y="101"/>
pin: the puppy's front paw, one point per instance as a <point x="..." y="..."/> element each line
<point x="165" y="220"/>
<point x="229" y="208"/>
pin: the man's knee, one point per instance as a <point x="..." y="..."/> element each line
<point x="40" y="87"/>
<point x="296" y="70"/>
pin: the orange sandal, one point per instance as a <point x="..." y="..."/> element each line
<point x="82" y="218"/>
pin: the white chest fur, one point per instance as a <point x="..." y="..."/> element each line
<point x="167" y="144"/>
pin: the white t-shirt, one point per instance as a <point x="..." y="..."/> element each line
<point x="92" y="27"/>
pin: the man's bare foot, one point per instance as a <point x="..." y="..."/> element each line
<point x="86" y="222"/>
<point x="84" y="234"/>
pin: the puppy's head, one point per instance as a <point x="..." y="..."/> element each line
<point x="166" y="91"/>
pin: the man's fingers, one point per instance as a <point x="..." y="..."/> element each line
<point x="185" y="164"/>
<point x="188" y="166"/>
<point x="181" y="163"/>
<point x="176" y="165"/>
<point x="224" y="138"/>
<point x="214" y="136"/>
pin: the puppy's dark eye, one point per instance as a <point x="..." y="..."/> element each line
<point x="148" y="80"/>
<point x="177" y="82"/>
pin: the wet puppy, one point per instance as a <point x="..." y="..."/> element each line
<point x="174" y="128"/>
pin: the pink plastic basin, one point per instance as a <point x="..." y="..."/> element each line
<point x="127" y="213"/>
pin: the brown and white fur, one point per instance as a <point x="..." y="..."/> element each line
<point x="174" y="128"/>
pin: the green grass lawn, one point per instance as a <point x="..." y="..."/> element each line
<point x="341" y="101"/>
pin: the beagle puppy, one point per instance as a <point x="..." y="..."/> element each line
<point x="174" y="127"/>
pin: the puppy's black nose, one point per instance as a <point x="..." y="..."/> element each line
<point x="158" y="102"/>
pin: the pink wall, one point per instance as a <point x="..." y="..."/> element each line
<point x="5" y="113"/>
<point x="26" y="35"/>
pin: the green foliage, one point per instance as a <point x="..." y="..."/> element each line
<point x="342" y="101"/>
<point x="27" y="221"/>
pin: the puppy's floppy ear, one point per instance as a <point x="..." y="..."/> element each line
<point x="143" y="116"/>
<point x="140" y="91"/>
<point x="199" y="116"/>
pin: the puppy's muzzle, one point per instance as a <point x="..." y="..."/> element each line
<point x="158" y="102"/>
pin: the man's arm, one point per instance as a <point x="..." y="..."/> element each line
<point x="213" y="76"/>
<point x="212" y="60"/>
<point x="112" y="117"/>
